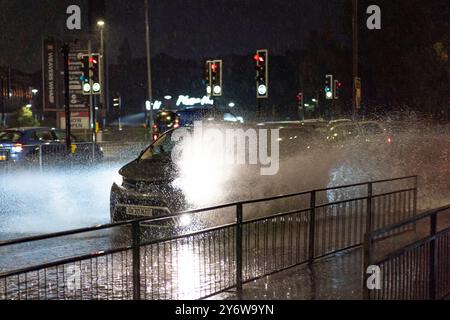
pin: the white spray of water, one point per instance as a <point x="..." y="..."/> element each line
<point x="32" y="202"/>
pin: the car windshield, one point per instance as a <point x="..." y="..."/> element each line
<point x="61" y="136"/>
<point x="163" y="145"/>
<point x="340" y="133"/>
<point x="10" y="136"/>
<point x="189" y="116"/>
<point x="371" y="128"/>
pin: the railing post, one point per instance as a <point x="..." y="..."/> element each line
<point x="136" y="247"/>
<point x="93" y="152"/>
<point x="369" y="218"/>
<point x="415" y="196"/>
<point x="367" y="238"/>
<point x="239" y="277"/>
<point x="312" y="227"/>
<point x="433" y="258"/>
<point x="40" y="158"/>
<point x="366" y="263"/>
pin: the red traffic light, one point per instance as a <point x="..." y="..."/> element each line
<point x="214" y="67"/>
<point x="258" y="58"/>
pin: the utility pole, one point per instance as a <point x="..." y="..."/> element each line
<point x="2" y="102"/>
<point x="65" y="51"/>
<point x="149" y="69"/>
<point x="355" y="57"/>
<point x="92" y="107"/>
<point x="9" y="85"/>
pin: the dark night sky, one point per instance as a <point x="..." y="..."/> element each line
<point x="182" y="28"/>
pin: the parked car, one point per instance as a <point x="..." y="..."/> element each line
<point x="339" y="121"/>
<point x="359" y="132"/>
<point x="297" y="136"/>
<point x="189" y="115"/>
<point x="28" y="144"/>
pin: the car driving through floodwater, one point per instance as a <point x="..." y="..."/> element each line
<point x="173" y="173"/>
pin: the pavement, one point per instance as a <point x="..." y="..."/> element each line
<point x="337" y="277"/>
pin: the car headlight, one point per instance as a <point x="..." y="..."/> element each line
<point x="185" y="220"/>
<point x="118" y="179"/>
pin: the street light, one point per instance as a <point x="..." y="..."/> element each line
<point x="103" y="97"/>
<point x="149" y="66"/>
<point x="34" y="91"/>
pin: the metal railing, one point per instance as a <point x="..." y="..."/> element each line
<point x="144" y="259"/>
<point x="411" y="266"/>
<point x="122" y="151"/>
<point x="53" y="154"/>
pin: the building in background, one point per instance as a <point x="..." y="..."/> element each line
<point x="16" y="91"/>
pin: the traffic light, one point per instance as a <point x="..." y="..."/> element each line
<point x="216" y="77"/>
<point x="208" y="78"/>
<point x="95" y="67"/>
<point x="299" y="99"/>
<point x="262" y="73"/>
<point x="91" y="77"/>
<point x="337" y="89"/>
<point x="85" y="78"/>
<point x="117" y="102"/>
<point x="329" y="87"/>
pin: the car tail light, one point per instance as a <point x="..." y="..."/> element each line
<point x="17" y="148"/>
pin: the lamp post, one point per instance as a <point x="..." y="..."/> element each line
<point x="355" y="56"/>
<point x="2" y="103"/>
<point x="149" y="68"/>
<point x="104" y="101"/>
<point x="34" y="93"/>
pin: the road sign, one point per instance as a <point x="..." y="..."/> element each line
<point x="76" y="73"/>
<point x="78" y="120"/>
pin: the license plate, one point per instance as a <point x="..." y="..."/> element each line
<point x="139" y="211"/>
